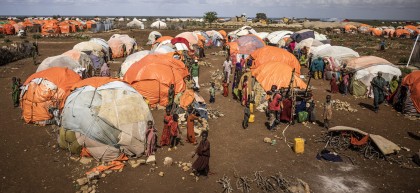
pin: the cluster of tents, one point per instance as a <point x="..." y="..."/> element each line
<point x="106" y="117"/>
<point x="389" y="31"/>
<point x="53" y="27"/>
<point x="272" y="65"/>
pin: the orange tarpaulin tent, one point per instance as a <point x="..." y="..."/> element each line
<point x="412" y="80"/>
<point x="274" y="54"/>
<point x="50" y="90"/>
<point x="8" y="29"/>
<point x="152" y="76"/>
<point x="163" y="38"/>
<point x="64" y="27"/>
<point x="276" y="73"/>
<point x="402" y="32"/>
<point x="349" y="28"/>
<point x="50" y="27"/>
<point x="376" y="31"/>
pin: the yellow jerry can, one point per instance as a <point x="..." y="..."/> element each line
<point x="251" y="107"/>
<point x="251" y="118"/>
<point x="299" y="145"/>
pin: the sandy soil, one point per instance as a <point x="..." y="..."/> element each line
<point x="31" y="161"/>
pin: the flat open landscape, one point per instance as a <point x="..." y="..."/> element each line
<point x="33" y="162"/>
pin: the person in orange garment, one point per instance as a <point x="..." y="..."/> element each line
<point x="225" y="88"/>
<point x="190" y="127"/>
<point x="333" y="83"/>
<point x="165" y="137"/>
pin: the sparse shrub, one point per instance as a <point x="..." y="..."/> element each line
<point x="403" y="60"/>
<point x="1" y="36"/>
<point x="7" y="40"/>
<point x="405" y="70"/>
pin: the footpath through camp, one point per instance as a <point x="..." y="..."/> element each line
<point x="82" y="120"/>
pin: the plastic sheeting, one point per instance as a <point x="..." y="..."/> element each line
<point x="262" y="35"/>
<point x="337" y="52"/>
<point x="113" y="114"/>
<point x="364" y="62"/>
<point x="275" y="37"/>
<point x="158" y="25"/>
<point x="116" y="43"/>
<point x="244" y="30"/>
<point x="62" y="61"/>
<point x="82" y="58"/>
<point x="153" y="36"/>
<point x="153" y="75"/>
<point x="131" y="59"/>
<point x="412" y="80"/>
<point x="103" y="43"/>
<point x="365" y="75"/>
<point x="303" y="34"/>
<point x="164" y="49"/>
<point x="135" y="24"/>
<point x="248" y="44"/>
<point x="273" y="54"/>
<point x="309" y="43"/>
<point x="189" y="36"/>
<point x="277" y="73"/>
<point x="46" y="89"/>
<point x="89" y="46"/>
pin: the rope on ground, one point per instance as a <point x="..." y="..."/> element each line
<point x="284" y="136"/>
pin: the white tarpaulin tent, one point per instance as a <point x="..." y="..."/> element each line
<point x="135" y="24"/>
<point x="131" y="59"/>
<point x="60" y="61"/>
<point x="113" y="115"/>
<point x="153" y="36"/>
<point x="277" y="36"/>
<point x="158" y="25"/>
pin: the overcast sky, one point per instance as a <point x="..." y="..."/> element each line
<point x="356" y="9"/>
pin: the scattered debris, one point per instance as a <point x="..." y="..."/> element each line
<point x="342" y="106"/>
<point x="85" y="160"/>
<point x="167" y="161"/>
<point x="225" y="181"/>
<point x="268" y="140"/>
<point x="136" y="163"/>
<point x="214" y="114"/>
<point x="220" y="53"/>
<point x="161" y="174"/>
<point x="82" y="181"/>
<point x="203" y="63"/>
<point x="152" y="159"/>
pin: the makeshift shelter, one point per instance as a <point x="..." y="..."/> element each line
<point x="50" y="27"/>
<point x="248" y="44"/>
<point x="262" y="35"/>
<point x="408" y="95"/>
<point x="276" y="73"/>
<point x="365" y="68"/>
<point x="376" y="31"/>
<point x="82" y="58"/>
<point x="189" y="36"/>
<point x="303" y="34"/>
<point x="158" y="25"/>
<point x="269" y="54"/>
<point x="110" y="114"/>
<point x="62" y="61"/>
<point x="104" y="25"/>
<point x="104" y="44"/>
<point x="278" y="37"/>
<point x="64" y="27"/>
<point x="181" y="43"/>
<point x="402" y="33"/>
<point x="350" y="28"/>
<point x="8" y="29"/>
<point x="164" y="49"/>
<point x="131" y="59"/>
<point x="45" y="92"/>
<point x="153" y="36"/>
<point x="244" y="30"/>
<point x="164" y="40"/>
<point x="216" y="38"/>
<point x="310" y="43"/>
<point x="135" y="24"/>
<point x="153" y="75"/>
<point x="337" y="52"/>
<point x="364" y="28"/>
<point x="121" y="45"/>
<point x="412" y="29"/>
<point x="89" y="46"/>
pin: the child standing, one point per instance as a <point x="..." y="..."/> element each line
<point x="174" y="131"/>
<point x="212" y="93"/>
<point x="225" y="89"/>
<point x="327" y="112"/>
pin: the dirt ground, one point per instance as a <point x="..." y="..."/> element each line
<point x="32" y="162"/>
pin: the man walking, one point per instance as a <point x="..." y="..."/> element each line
<point x="378" y="84"/>
<point x="227" y="69"/>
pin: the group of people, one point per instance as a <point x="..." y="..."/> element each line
<point x="171" y="136"/>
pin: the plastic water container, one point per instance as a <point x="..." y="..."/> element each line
<point x="251" y="118"/>
<point x="299" y="145"/>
